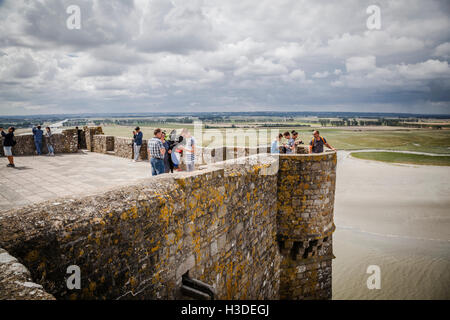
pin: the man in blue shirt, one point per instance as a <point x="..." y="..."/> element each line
<point x="38" y="133"/>
<point x="275" y="147"/>
<point x="137" y="137"/>
<point x="290" y="145"/>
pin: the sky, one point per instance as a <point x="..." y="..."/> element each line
<point x="216" y="55"/>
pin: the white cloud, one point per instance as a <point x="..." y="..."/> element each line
<point x="321" y="75"/>
<point x="356" y="64"/>
<point x="401" y="77"/>
<point x="230" y="54"/>
<point x="259" y="67"/>
<point x="442" y="50"/>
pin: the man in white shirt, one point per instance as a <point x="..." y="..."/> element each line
<point x="189" y="150"/>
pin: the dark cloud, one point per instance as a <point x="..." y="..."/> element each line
<point x="224" y="55"/>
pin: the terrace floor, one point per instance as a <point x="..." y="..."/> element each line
<point x="36" y="179"/>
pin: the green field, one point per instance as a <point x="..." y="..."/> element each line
<point x="127" y="131"/>
<point x="422" y="140"/>
<point x="395" y="157"/>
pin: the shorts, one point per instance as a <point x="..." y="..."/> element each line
<point x="8" y="151"/>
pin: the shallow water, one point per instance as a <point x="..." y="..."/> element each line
<point x="398" y="218"/>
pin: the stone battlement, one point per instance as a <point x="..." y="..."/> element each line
<point x="257" y="227"/>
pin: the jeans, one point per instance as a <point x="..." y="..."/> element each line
<point x="38" y="145"/>
<point x="157" y="166"/>
<point x="137" y="149"/>
<point x="190" y="166"/>
<point x="50" y="148"/>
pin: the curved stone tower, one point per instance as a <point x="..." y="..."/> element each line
<point x="306" y="188"/>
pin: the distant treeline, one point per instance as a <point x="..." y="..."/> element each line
<point x="127" y="122"/>
<point x="16" y="124"/>
<point x="380" y="122"/>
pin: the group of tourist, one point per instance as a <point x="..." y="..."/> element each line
<point x="292" y="141"/>
<point x="165" y="154"/>
<point x="38" y="136"/>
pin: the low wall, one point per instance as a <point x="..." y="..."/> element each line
<point x="136" y="242"/>
<point x="102" y="143"/>
<point x="89" y="133"/>
<point x="65" y="142"/>
<point x="123" y="147"/>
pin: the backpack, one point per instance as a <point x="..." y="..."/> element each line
<point x="320" y="138"/>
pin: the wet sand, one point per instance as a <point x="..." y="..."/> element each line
<point x="396" y="217"/>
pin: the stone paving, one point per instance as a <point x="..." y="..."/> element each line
<point x="40" y="178"/>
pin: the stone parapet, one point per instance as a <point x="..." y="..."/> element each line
<point x="65" y="142"/>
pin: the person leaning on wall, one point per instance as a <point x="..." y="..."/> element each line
<point x="297" y="141"/>
<point x="50" y="141"/>
<point x="290" y="145"/>
<point x="275" y="146"/>
<point x="38" y="134"/>
<point x="8" y="143"/>
<point x="317" y="143"/>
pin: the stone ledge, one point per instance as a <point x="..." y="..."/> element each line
<point x="16" y="283"/>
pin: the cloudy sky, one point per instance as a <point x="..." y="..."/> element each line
<point x="216" y="55"/>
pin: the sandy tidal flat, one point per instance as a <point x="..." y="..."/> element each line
<point x="396" y="217"/>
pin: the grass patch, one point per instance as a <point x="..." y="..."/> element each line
<point x="395" y="157"/>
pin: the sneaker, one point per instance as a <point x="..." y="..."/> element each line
<point x="10" y="165"/>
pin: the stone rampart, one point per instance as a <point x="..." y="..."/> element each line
<point x="65" y="142"/>
<point x="217" y="224"/>
<point x="250" y="232"/>
<point x="306" y="188"/>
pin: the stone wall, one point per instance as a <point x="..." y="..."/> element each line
<point x="123" y="147"/>
<point x="16" y="283"/>
<point x="213" y="155"/>
<point x="217" y="224"/>
<point x="65" y="142"/>
<point x="250" y="235"/>
<point x="89" y="133"/>
<point x="306" y="187"/>
<point x="102" y="143"/>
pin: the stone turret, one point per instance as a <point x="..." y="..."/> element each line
<point x="306" y="187"/>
